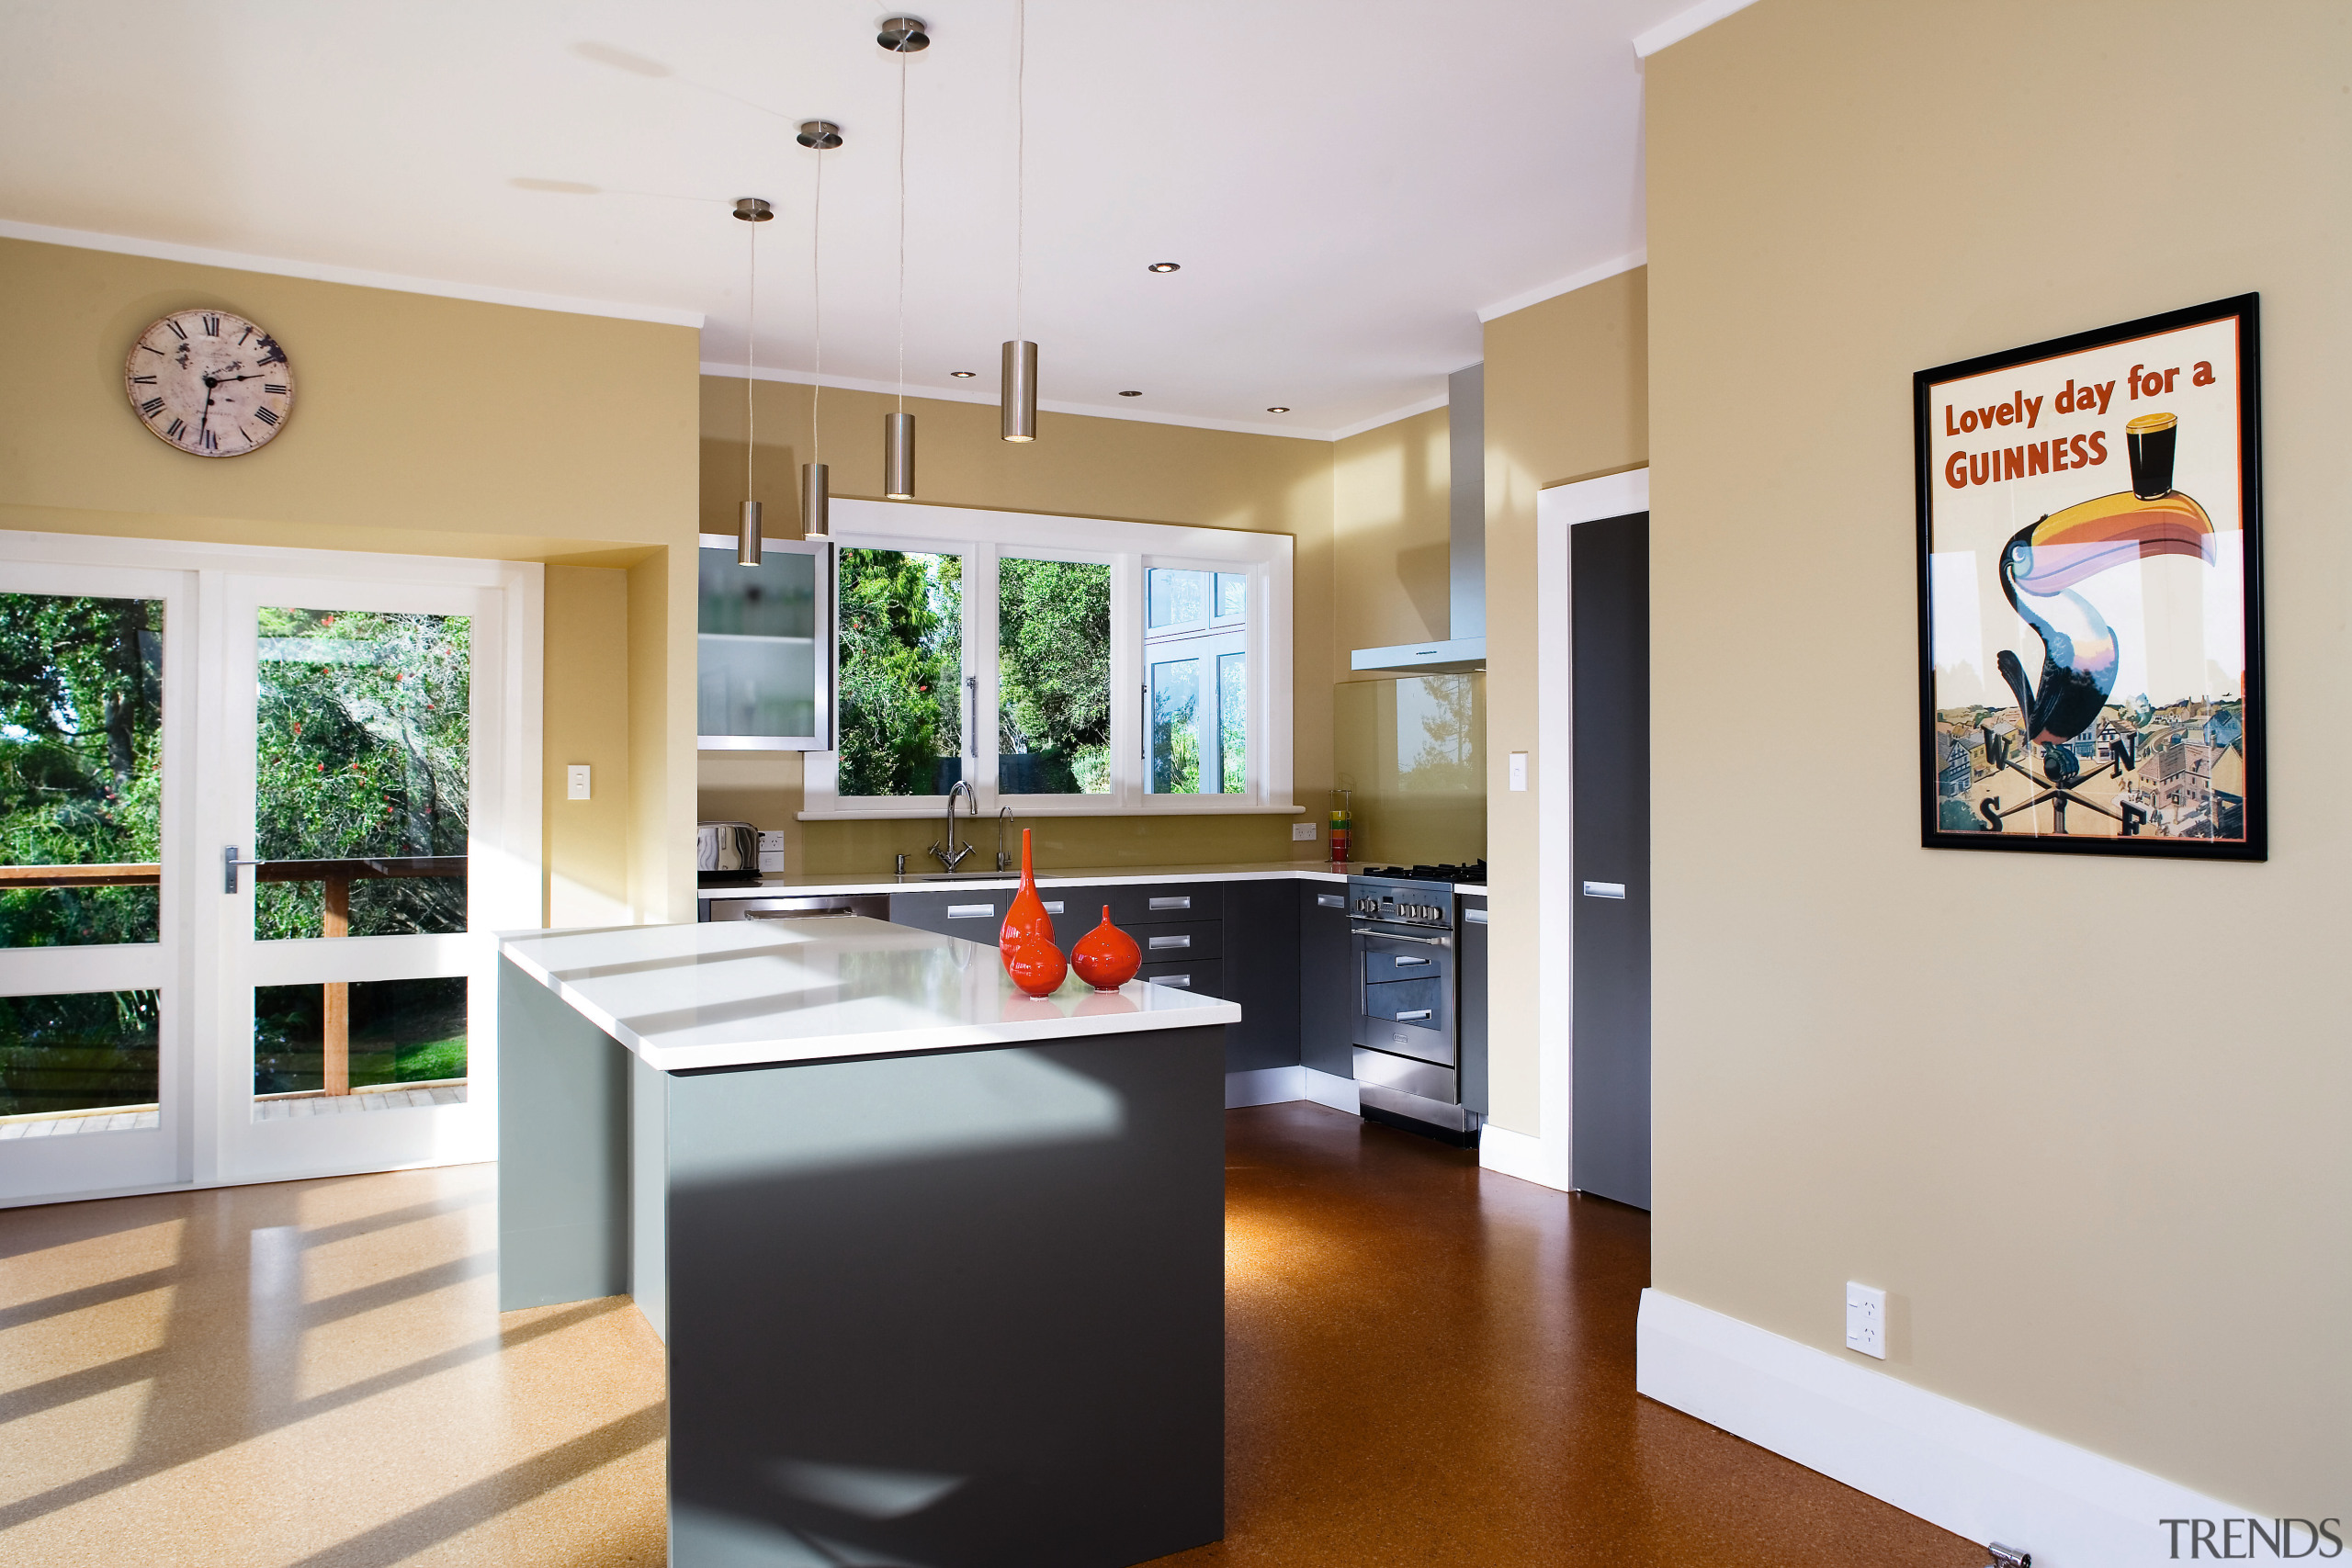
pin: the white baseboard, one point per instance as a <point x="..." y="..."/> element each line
<point x="1265" y="1086"/>
<point x="1979" y="1476"/>
<point x="1329" y="1089"/>
<point x="1516" y="1153"/>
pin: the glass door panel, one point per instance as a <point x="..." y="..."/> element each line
<point x="762" y="650"/>
<point x="903" y="725"/>
<point x="350" y="976"/>
<point x="85" y="1059"/>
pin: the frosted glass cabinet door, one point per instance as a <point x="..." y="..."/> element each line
<point x="764" y="649"/>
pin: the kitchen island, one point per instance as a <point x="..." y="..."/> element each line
<point x="939" y="1267"/>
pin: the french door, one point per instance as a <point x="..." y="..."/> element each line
<point x="259" y="812"/>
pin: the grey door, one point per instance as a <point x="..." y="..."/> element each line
<point x="1609" y="605"/>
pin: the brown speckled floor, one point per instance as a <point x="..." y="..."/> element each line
<point x="1426" y="1364"/>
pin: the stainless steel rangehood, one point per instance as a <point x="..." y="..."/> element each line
<point x="1464" y="645"/>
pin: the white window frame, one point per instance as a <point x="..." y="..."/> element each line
<point x="981" y="537"/>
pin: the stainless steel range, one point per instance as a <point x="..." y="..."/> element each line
<point x="1407" y="1035"/>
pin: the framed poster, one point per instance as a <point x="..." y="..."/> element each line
<point x="2090" y="592"/>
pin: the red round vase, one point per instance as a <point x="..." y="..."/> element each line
<point x="1035" y="966"/>
<point x="1027" y="918"/>
<point x="1106" y="958"/>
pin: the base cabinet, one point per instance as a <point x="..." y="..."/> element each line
<point x="1326" y="1001"/>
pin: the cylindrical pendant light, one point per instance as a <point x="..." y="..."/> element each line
<point x="816" y="503"/>
<point x="748" y="551"/>
<point x="898" y="456"/>
<point x="1018" y="415"/>
<point x="902" y="36"/>
<point x="1017" y="386"/>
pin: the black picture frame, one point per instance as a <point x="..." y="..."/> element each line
<point x="2043" y="708"/>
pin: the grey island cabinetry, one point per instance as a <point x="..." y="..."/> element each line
<point x="939" y="1267"/>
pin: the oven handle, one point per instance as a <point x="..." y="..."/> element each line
<point x="1398" y="936"/>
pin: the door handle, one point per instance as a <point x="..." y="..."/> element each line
<point x="1331" y="901"/>
<point x="1408" y="1017"/>
<point x="229" y="864"/>
<point x="972" y="715"/>
<point x="799" y="914"/>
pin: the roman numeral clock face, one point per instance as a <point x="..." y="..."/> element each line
<point x="209" y="383"/>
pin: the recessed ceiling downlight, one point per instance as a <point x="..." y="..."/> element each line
<point x="963" y="374"/>
<point x="1164" y="266"/>
<point x="1278" y="408"/>
<point x="1131" y="394"/>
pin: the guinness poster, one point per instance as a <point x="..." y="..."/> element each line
<point x="2089" y="592"/>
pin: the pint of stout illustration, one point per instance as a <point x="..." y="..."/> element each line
<point x="2151" y="438"/>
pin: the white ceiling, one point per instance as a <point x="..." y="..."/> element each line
<point x="1346" y="185"/>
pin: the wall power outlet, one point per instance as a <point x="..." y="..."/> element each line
<point x="1302" y="832"/>
<point x="1866" y="1320"/>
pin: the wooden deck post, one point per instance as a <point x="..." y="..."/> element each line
<point x="336" y="1016"/>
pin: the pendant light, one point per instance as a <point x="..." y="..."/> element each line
<point x="815" y="501"/>
<point x="901" y="36"/>
<point x="1017" y="394"/>
<point x="754" y="211"/>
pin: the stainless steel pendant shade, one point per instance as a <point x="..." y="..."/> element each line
<point x="748" y="548"/>
<point x="1019" y="394"/>
<point x="815" y="501"/>
<point x="898" y="456"/>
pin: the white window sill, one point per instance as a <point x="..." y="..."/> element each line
<point x="1163" y="806"/>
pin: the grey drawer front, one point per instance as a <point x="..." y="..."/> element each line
<point x="1135" y="904"/>
<point x="1405" y="1002"/>
<point x="1207" y="979"/>
<point x="975" y="915"/>
<point x="1190" y="938"/>
<point x="1380" y="967"/>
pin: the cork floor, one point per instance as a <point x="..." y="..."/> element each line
<point x="1426" y="1364"/>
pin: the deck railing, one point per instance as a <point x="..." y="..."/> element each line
<point x="337" y="875"/>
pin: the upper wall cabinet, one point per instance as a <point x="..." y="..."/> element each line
<point x="764" y="648"/>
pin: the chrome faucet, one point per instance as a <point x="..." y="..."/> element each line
<point x="951" y="857"/>
<point x="1003" y="821"/>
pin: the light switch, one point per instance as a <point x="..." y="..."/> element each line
<point x="1518" y="770"/>
<point x="575" y="782"/>
<point x="1302" y="832"/>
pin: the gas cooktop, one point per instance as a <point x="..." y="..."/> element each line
<point x="1473" y="873"/>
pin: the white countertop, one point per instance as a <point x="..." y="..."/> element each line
<point x="739" y="993"/>
<point x="1090" y="877"/>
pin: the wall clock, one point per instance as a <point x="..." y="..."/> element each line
<point x="209" y="383"/>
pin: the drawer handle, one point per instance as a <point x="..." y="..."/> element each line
<point x="1407" y="1017"/>
<point x="1330" y="900"/>
<point x="1053" y="906"/>
<point x="1401" y="960"/>
<point x="970" y="911"/>
<point x="1181" y="981"/>
<point x="1184" y="902"/>
<point x="1160" y="942"/>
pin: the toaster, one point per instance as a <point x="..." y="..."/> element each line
<point x="726" y="852"/>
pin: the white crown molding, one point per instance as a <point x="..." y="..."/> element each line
<point x="1568" y="285"/>
<point x="1975" y="1474"/>
<point x="1391" y="417"/>
<point x="1089" y="411"/>
<point x="357" y="277"/>
<point x="1682" y="25"/>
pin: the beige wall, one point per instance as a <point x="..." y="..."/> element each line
<point x="1078" y="466"/>
<point x="515" y="459"/>
<point x="2082" y="1118"/>
<point x="1389" y="489"/>
<point x="1566" y="399"/>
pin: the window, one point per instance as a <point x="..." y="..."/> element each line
<point x="1056" y="665"/>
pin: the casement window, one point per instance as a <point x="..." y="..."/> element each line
<point x="1057" y="665"/>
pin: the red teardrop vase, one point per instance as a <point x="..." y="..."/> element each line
<point x="1106" y="958"/>
<point x="1027" y="917"/>
<point x="1035" y="966"/>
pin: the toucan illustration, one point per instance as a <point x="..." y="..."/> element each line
<point x="2040" y="567"/>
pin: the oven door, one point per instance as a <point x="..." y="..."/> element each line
<point x="1404" y="985"/>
